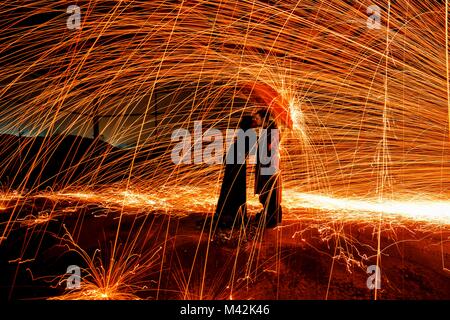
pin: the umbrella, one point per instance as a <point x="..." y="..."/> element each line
<point x="262" y="93"/>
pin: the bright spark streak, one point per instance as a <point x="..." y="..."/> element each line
<point x="200" y="199"/>
<point x="420" y="210"/>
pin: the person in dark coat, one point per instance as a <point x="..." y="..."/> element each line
<point x="232" y="203"/>
<point x="268" y="182"/>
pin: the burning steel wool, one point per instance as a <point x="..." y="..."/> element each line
<point x="92" y="92"/>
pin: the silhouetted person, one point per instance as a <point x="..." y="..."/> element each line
<point x="232" y="203"/>
<point x="267" y="173"/>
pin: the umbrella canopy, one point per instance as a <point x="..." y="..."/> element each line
<point x="262" y="93"/>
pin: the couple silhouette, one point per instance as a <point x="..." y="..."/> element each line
<point x="231" y="209"/>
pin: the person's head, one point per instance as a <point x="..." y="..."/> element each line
<point x="246" y="122"/>
<point x="262" y="117"/>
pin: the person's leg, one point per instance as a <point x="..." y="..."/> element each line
<point x="262" y="200"/>
<point x="270" y="198"/>
<point x="279" y="197"/>
<point x="265" y="214"/>
<point x="280" y="214"/>
<point x="274" y="210"/>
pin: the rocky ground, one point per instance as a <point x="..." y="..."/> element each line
<point x="182" y="256"/>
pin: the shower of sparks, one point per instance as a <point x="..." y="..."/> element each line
<point x="370" y="108"/>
